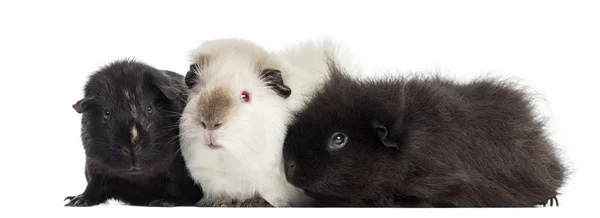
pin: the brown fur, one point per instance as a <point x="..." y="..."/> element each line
<point x="214" y="105"/>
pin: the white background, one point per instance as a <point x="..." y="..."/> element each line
<point x="48" y="48"/>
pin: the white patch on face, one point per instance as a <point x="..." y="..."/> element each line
<point x="126" y="93"/>
<point x="134" y="134"/>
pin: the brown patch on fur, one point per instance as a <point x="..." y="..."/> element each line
<point x="214" y="105"/>
<point x="133" y="110"/>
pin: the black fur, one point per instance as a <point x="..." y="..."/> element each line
<point x="157" y="98"/>
<point x="274" y="80"/>
<point x="421" y="142"/>
<point x="191" y="77"/>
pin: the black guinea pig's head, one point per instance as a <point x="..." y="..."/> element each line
<point x="130" y="114"/>
<point x="339" y="145"/>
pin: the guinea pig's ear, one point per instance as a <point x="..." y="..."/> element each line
<point x="274" y="80"/>
<point x="191" y="77"/>
<point x="81" y="105"/>
<point x="382" y="134"/>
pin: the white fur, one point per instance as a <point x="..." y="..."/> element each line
<point x="306" y="65"/>
<point x="250" y="163"/>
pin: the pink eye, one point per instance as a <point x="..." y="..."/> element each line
<point x="245" y="96"/>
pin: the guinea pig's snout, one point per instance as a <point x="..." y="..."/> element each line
<point x="126" y="151"/>
<point x="291" y="165"/>
<point x="134" y="142"/>
<point x="130" y="152"/>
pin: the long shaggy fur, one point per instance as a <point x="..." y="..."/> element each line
<point x="250" y="163"/>
<point x="422" y="142"/>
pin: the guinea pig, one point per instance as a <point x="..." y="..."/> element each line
<point x="234" y="123"/>
<point x="424" y="141"/>
<point x="129" y="116"/>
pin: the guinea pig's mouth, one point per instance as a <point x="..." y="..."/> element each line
<point x="214" y="146"/>
<point x="135" y="170"/>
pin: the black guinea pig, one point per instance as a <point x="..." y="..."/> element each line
<point x="421" y="142"/>
<point x="130" y="114"/>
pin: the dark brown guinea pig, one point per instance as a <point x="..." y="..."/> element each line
<point x="130" y="114"/>
<point x="421" y="142"/>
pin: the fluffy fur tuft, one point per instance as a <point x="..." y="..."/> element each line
<point x="421" y="142"/>
<point x="232" y="146"/>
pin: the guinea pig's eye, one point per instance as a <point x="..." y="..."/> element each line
<point x="150" y="109"/>
<point x="106" y="114"/>
<point x="245" y="96"/>
<point x="338" y="140"/>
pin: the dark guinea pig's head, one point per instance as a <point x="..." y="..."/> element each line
<point x="130" y="114"/>
<point x="339" y="144"/>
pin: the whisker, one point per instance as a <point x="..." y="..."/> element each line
<point x="148" y="127"/>
<point x="161" y="134"/>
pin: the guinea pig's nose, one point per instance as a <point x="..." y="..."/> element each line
<point x="211" y="125"/>
<point x="291" y="166"/>
<point x="290" y="170"/>
<point x="126" y="151"/>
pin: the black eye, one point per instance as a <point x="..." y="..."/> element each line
<point x="338" y="140"/>
<point x="150" y="110"/>
<point x="106" y="114"/>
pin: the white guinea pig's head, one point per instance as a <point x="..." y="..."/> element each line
<point x="237" y="98"/>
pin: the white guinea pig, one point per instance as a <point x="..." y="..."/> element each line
<point x="234" y="124"/>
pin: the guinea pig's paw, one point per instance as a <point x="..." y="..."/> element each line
<point x="255" y="202"/>
<point x="277" y="202"/>
<point x="551" y="201"/>
<point x="162" y="203"/>
<point x="227" y="203"/>
<point x="80" y="201"/>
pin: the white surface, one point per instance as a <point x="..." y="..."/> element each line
<point x="48" y="48"/>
